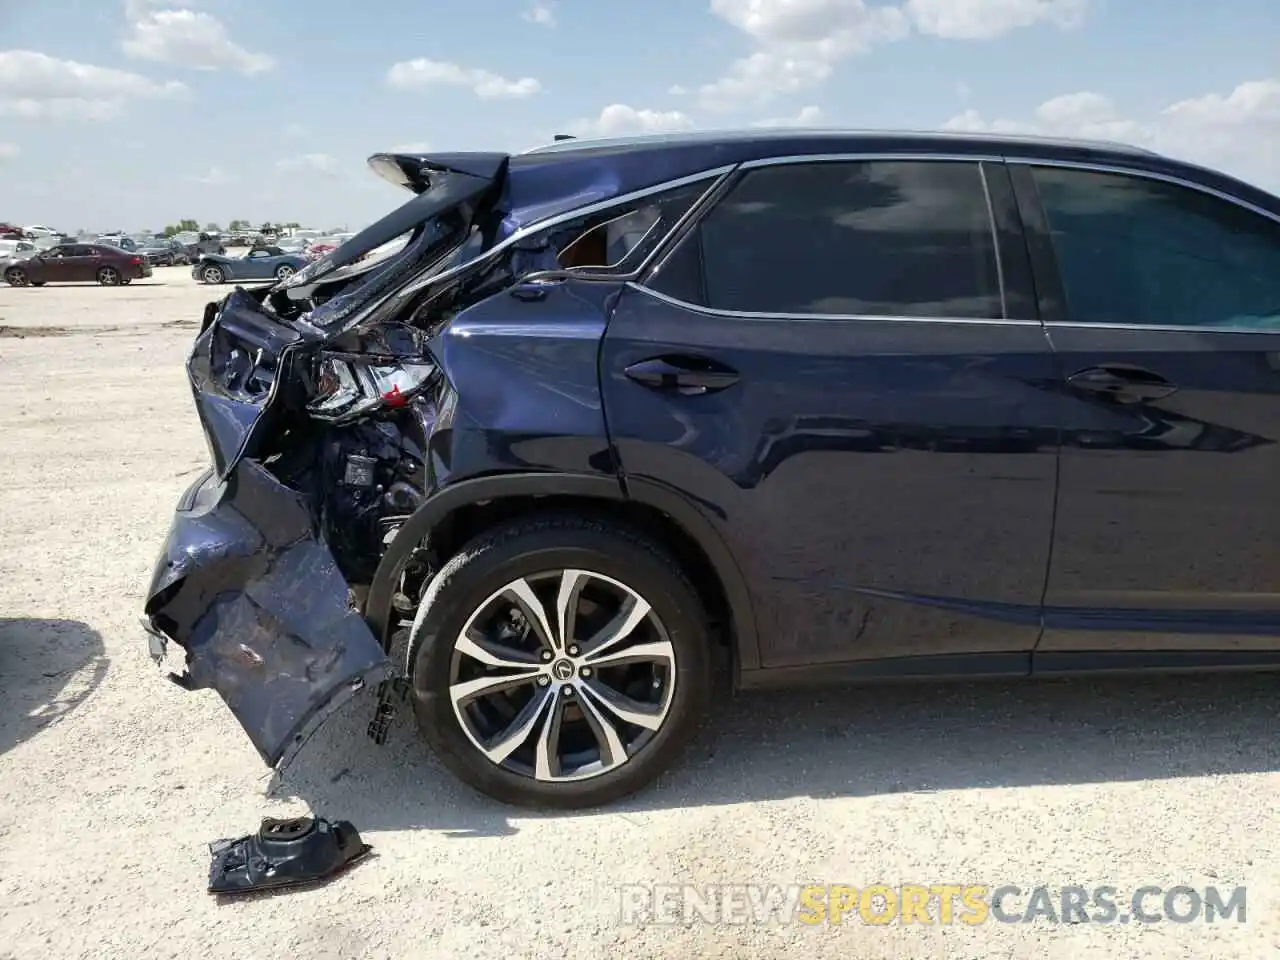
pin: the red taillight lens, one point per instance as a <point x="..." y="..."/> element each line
<point x="135" y="261"/>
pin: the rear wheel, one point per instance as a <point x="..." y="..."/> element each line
<point x="109" y="277"/>
<point x="284" y="272"/>
<point x="15" y="277"/>
<point x="212" y="273"/>
<point x="559" y="662"/>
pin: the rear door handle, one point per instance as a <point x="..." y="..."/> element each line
<point x="687" y="375"/>
<point x="1123" y="383"/>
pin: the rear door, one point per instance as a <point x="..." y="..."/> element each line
<point x="81" y="262"/>
<point x="1163" y="303"/>
<point x="830" y="368"/>
<point x="97" y="257"/>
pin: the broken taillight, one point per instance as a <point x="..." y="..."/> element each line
<point x="348" y="387"/>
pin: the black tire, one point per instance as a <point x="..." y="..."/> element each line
<point x="36" y="283"/>
<point x="110" y="277"/>
<point x="16" y="277"/>
<point x="212" y="273"/>
<point x="284" y="272"/>
<point x="522" y="549"/>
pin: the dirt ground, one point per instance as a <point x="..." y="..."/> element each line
<point x="113" y="782"/>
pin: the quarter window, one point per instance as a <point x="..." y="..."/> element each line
<point x="617" y="240"/>
<point x="1133" y="250"/>
<point x="871" y="238"/>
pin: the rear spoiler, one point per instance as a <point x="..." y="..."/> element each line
<point x="413" y="171"/>
<point x="441" y="182"/>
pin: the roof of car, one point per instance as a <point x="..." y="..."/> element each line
<point x="783" y="140"/>
<point x="633" y="163"/>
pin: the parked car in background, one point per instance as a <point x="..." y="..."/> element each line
<point x="15" y="249"/>
<point x="40" y="230"/>
<point x="118" y="240"/>
<point x="164" y="252"/>
<point x="259" y="263"/>
<point x="294" y="244"/>
<point x="321" y="246"/>
<point x="105" y="263"/>
<point x="9" y="231"/>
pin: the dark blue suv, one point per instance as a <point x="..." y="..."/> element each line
<point x="537" y="446"/>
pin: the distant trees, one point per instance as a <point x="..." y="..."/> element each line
<point x="234" y="226"/>
<point x="182" y="226"/>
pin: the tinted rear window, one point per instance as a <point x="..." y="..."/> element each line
<point x="877" y="238"/>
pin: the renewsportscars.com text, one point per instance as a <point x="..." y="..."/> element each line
<point x="927" y="904"/>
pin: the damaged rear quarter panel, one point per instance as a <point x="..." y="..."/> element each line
<point x="248" y="588"/>
<point x="525" y="381"/>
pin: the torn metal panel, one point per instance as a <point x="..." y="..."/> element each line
<point x="252" y="593"/>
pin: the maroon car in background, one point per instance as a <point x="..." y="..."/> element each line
<point x="76" y="263"/>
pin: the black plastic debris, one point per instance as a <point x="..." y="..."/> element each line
<point x="284" y="853"/>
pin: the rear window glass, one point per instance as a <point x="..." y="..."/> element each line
<point x="872" y="238"/>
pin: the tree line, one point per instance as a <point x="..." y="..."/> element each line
<point x="235" y="226"/>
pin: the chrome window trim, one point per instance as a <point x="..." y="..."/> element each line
<point x="801" y="158"/>
<point x="715" y="174"/>
<point x="1146" y="175"/>
<point x="1160" y="327"/>
<point x="829" y="317"/>
<point x="1114" y="168"/>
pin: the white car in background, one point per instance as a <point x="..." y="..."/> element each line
<point x="17" y="249"/>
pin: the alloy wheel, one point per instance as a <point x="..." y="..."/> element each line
<point x="15" y="278"/>
<point x="212" y="275"/>
<point x="284" y="272"/>
<point x="108" y="277"/>
<point x="562" y="676"/>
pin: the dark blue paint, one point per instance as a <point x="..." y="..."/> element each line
<point x="854" y="465"/>
<point x="525" y="394"/>
<point x="253" y="596"/>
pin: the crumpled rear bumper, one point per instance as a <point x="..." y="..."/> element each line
<point x="246" y="586"/>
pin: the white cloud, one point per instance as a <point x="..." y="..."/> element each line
<point x="8" y="151"/>
<point x="188" y="38"/>
<point x="807" y="117"/>
<point x="36" y="86"/>
<point x="798" y="42"/>
<point x="618" y="120"/>
<point x="676" y="90"/>
<point x="417" y="146"/>
<point x="762" y="77"/>
<point x="213" y="177"/>
<point x="985" y="19"/>
<point x="543" y="14"/>
<point x="421" y="73"/>
<point x="311" y="163"/>
<point x="1238" y="133"/>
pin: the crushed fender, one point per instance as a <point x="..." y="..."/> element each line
<point x="285" y="853"/>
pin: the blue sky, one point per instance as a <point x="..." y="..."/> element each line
<point x="132" y="114"/>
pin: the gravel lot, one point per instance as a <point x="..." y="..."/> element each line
<point x="112" y="782"/>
